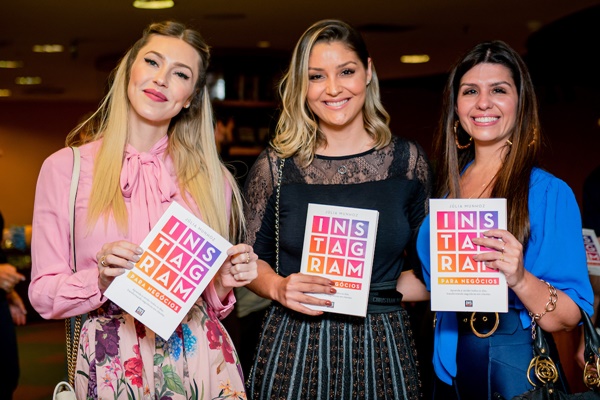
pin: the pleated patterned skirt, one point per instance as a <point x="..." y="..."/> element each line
<point x="335" y="357"/>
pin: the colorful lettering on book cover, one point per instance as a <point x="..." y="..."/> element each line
<point x="338" y="248"/>
<point x="593" y="257"/>
<point x="455" y="233"/>
<point x="175" y="262"/>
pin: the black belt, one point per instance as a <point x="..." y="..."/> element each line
<point x="383" y="297"/>
<point x="485" y="324"/>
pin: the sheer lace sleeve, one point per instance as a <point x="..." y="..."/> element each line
<point x="418" y="169"/>
<point x="258" y="189"/>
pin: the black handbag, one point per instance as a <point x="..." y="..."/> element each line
<point x="546" y="374"/>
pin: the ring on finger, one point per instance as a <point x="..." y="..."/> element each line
<point x="247" y="258"/>
<point x="103" y="261"/>
<point x="504" y="244"/>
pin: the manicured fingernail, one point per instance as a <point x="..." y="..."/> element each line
<point x="139" y="250"/>
<point x="130" y="264"/>
<point x="136" y="258"/>
<point x="332" y="290"/>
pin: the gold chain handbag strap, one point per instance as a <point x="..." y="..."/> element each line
<point x="72" y="336"/>
<point x="72" y="345"/>
<point x="277" y="194"/>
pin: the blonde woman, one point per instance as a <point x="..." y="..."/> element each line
<point x="333" y="134"/>
<point x="150" y="143"/>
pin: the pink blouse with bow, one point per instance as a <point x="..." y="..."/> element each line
<point x="148" y="184"/>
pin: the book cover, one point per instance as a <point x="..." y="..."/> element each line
<point x="592" y="251"/>
<point x="181" y="256"/>
<point x="339" y="244"/>
<point x="459" y="283"/>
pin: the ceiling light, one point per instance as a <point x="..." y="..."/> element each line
<point x="5" y="93"/>
<point x="48" y="48"/>
<point x="153" y="4"/>
<point x="11" y="64"/>
<point x="28" y="80"/>
<point x="414" y="59"/>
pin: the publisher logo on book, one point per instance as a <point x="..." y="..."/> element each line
<point x="140" y="311"/>
<point x="468" y="303"/>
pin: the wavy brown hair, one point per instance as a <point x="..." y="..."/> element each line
<point x="512" y="180"/>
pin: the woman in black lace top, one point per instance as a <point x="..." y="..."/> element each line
<point x="337" y="148"/>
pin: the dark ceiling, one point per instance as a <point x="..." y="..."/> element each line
<point x="95" y="33"/>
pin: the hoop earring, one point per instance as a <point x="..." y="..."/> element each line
<point x="458" y="145"/>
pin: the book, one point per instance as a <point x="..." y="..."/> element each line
<point x="592" y="251"/>
<point x="339" y="244"/>
<point x="181" y="256"/>
<point x="458" y="282"/>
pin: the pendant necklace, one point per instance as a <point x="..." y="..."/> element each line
<point x="485" y="187"/>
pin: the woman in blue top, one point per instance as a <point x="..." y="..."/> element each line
<point x="487" y="146"/>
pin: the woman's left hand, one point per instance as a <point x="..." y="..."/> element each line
<point x="240" y="268"/>
<point x="505" y="254"/>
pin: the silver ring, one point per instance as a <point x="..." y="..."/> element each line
<point x="103" y="261"/>
<point x="247" y="258"/>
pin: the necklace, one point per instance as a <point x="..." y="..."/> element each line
<point x="485" y="186"/>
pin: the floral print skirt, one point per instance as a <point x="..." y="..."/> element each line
<point x="119" y="358"/>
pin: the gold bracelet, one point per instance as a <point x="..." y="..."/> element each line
<point x="550" y="305"/>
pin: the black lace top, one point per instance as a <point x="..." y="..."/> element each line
<point x="395" y="180"/>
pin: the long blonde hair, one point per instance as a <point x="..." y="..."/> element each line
<point x="297" y="131"/>
<point x="192" y="146"/>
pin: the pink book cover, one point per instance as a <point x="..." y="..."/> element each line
<point x="458" y="282"/>
<point x="181" y="256"/>
<point x="339" y="244"/>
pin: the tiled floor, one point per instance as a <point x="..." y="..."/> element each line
<point x="42" y="359"/>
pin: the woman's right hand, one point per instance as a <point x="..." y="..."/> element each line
<point x="293" y="290"/>
<point x="9" y="277"/>
<point x="115" y="259"/>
